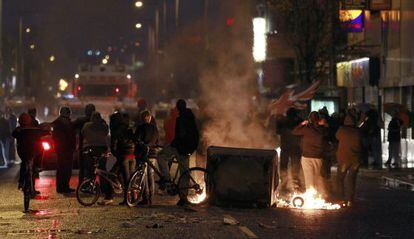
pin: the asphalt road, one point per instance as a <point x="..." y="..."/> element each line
<point x="378" y="213"/>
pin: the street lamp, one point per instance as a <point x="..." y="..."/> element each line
<point x="52" y="58"/>
<point x="32" y="46"/>
<point x="104" y="61"/>
<point x="28" y="30"/>
<point x="138" y="4"/>
<point x="138" y="25"/>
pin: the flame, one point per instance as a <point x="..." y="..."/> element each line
<point x="198" y="198"/>
<point x="308" y="200"/>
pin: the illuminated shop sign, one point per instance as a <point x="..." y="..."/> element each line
<point x="352" y="20"/>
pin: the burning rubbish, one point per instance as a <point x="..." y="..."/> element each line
<point x="308" y="200"/>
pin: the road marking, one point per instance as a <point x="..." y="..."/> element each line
<point x="248" y="232"/>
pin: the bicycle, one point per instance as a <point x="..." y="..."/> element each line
<point x="88" y="192"/>
<point x="191" y="186"/>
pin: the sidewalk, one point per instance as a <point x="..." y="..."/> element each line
<point x="407" y="153"/>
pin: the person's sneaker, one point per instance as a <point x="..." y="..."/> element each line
<point x="106" y="202"/>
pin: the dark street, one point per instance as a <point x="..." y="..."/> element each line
<point x="206" y="119"/>
<point x="378" y="213"/>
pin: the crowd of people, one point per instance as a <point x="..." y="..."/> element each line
<point x="308" y="147"/>
<point x="130" y="138"/>
<point x="348" y="138"/>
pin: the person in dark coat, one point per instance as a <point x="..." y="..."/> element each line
<point x="28" y="147"/>
<point x="95" y="137"/>
<point x="64" y="137"/>
<point x="79" y="123"/>
<point x="314" y="134"/>
<point x="349" y="158"/>
<point x="122" y="139"/>
<point x="147" y="136"/>
<point x="289" y="150"/>
<point x="185" y="142"/>
<point x="394" y="141"/>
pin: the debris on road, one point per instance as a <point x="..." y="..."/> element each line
<point x="154" y="226"/>
<point x="248" y="232"/>
<point x="128" y="225"/>
<point x="262" y="225"/>
<point x="229" y="220"/>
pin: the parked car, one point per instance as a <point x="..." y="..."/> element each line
<point x="49" y="157"/>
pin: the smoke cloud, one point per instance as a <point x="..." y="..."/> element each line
<point x="228" y="87"/>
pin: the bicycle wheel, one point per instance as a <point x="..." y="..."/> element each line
<point x="192" y="186"/>
<point x="135" y="188"/>
<point x="87" y="193"/>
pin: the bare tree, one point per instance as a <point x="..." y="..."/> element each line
<point x="312" y="28"/>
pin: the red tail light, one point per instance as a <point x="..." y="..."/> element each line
<point x="46" y="146"/>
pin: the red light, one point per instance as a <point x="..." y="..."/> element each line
<point x="230" y="22"/>
<point x="117" y="90"/>
<point x="79" y="88"/>
<point x="46" y="146"/>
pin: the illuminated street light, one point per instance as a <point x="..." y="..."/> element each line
<point x="107" y="57"/>
<point x="139" y="4"/>
<point x="63" y="84"/>
<point x="52" y="58"/>
<point x="32" y="46"/>
<point x="128" y="76"/>
<point x="104" y="61"/>
<point x="138" y="25"/>
<point x="28" y="30"/>
<point x="77" y="76"/>
<point x="259" y="39"/>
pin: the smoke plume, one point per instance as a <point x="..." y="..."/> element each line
<point x="228" y="86"/>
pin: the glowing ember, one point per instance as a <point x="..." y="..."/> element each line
<point x="198" y="198"/>
<point x="308" y="200"/>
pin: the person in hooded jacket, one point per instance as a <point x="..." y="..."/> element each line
<point x="27" y="137"/>
<point x="349" y="158"/>
<point x="95" y="138"/>
<point x="64" y="137"/>
<point x="185" y="142"/>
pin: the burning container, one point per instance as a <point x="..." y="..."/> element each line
<point x="242" y="177"/>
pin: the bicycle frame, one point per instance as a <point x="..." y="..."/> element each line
<point x="175" y="178"/>
<point x="106" y="175"/>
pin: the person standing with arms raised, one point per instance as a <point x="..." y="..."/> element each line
<point x="314" y="134"/>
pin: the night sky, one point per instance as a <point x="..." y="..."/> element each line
<point x="69" y="28"/>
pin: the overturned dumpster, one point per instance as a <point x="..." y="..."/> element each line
<point x="242" y="177"/>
